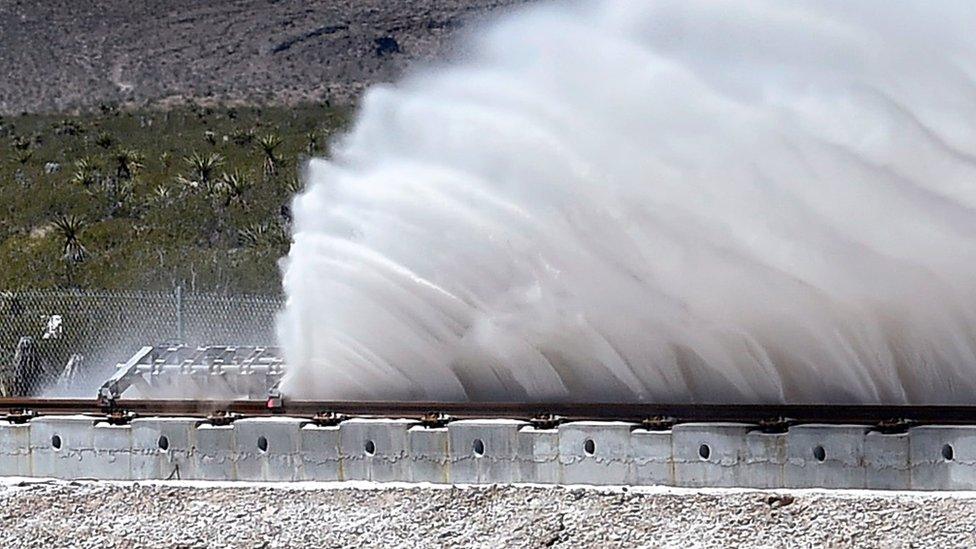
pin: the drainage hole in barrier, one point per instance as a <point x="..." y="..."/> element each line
<point x="819" y="453"/>
<point x="262" y="444"/>
<point x="163" y="443"/>
<point x="369" y="447"/>
<point x="947" y="452"/>
<point x="56" y="442"/>
<point x="704" y="451"/>
<point x="478" y="446"/>
<point x="589" y="447"/>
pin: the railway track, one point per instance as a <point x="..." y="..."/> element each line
<point x="132" y="429"/>
<point x="691" y="445"/>
<point x="662" y="414"/>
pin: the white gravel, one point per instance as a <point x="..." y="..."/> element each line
<point x="174" y="514"/>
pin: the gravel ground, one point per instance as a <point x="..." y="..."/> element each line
<point x="98" y="514"/>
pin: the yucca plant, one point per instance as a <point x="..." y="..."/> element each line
<point x="188" y="183"/>
<point x="104" y="140"/>
<point x="119" y="193"/>
<point x="68" y="229"/>
<point x="127" y="163"/>
<point x="68" y="127"/>
<point x="268" y="145"/>
<point x="242" y="137"/>
<point x="161" y="193"/>
<point x="294" y="185"/>
<point x="24" y="156"/>
<point x="86" y="172"/>
<point x="232" y="186"/>
<point x="263" y="235"/>
<point x="20" y="142"/>
<point x="312" y="142"/>
<point x="113" y="192"/>
<point x="202" y="168"/>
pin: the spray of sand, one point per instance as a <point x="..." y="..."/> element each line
<point x="758" y="201"/>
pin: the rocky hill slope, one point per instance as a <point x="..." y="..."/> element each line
<point x="66" y="54"/>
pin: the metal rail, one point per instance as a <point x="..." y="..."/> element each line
<point x="763" y="414"/>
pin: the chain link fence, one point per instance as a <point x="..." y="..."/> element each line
<point x="66" y="343"/>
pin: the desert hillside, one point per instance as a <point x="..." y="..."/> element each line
<point x="66" y="54"/>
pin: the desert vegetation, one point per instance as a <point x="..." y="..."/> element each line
<point x="119" y="199"/>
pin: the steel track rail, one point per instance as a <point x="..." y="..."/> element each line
<point x="659" y="413"/>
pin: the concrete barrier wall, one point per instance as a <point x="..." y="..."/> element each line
<point x="491" y="451"/>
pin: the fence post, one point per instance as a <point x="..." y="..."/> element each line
<point x="27" y="367"/>
<point x="180" y="330"/>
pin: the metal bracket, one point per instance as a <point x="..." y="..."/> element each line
<point x="119" y="417"/>
<point x="433" y="420"/>
<point x="19" y="416"/>
<point x="658" y="423"/>
<point x="545" y="422"/>
<point x="124" y="377"/>
<point x="894" y="426"/>
<point x="222" y="418"/>
<point x="775" y="425"/>
<point x="328" y="419"/>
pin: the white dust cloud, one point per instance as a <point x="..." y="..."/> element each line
<point x="665" y="201"/>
